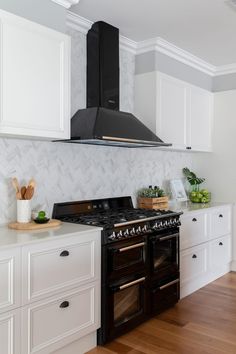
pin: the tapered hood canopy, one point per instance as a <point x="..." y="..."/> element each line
<point x="102" y="123"/>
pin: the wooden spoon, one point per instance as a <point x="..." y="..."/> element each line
<point x="23" y="190"/>
<point x="16" y="186"/>
<point x="32" y="183"/>
<point x="29" y="193"/>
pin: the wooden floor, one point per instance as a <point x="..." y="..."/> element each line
<point x="204" y="322"/>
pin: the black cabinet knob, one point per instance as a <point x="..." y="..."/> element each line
<point x="194" y="256"/>
<point x="221" y="244"/>
<point x="194" y="219"/>
<point x="220" y="216"/>
<point x="64" y="304"/>
<point x="188" y="147"/>
<point x="64" y="253"/>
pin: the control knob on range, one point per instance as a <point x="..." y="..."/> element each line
<point x="112" y="236"/>
<point x="132" y="232"/>
<point x="119" y="234"/>
<point x="145" y="229"/>
<point x="139" y="231"/>
<point x="126" y="233"/>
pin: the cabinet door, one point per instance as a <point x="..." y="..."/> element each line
<point x="172" y="111"/>
<point x="220" y="221"/>
<point x="35" y="79"/>
<point x="193" y="229"/>
<point x="10" y="279"/>
<point x="201" y="103"/>
<point x="220" y="252"/>
<point x="54" y="266"/>
<point x="10" y="333"/>
<point x="52" y="323"/>
<point x="193" y="263"/>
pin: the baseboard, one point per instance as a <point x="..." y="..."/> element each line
<point x="81" y="346"/>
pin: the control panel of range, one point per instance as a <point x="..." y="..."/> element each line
<point x="144" y="228"/>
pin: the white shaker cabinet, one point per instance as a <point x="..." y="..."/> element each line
<point x="34" y="79"/>
<point x="10" y="333"/>
<point x="205" y="247"/>
<point x="177" y="112"/>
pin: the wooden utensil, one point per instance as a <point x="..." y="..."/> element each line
<point x="16" y="186"/>
<point x="32" y="183"/>
<point x="29" y="193"/>
<point x="23" y="190"/>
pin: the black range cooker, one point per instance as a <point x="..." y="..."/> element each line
<point x="140" y="259"/>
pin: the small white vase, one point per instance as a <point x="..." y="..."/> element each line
<point x="23" y="211"/>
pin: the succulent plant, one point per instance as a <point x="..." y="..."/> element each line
<point x="151" y="192"/>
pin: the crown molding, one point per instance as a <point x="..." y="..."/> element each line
<point x="162" y="46"/>
<point x="82" y="25"/>
<point x="66" y="3"/>
<point x="158" y="44"/>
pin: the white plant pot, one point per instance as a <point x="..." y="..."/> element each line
<point x="23" y="211"/>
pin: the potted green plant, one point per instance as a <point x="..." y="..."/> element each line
<point x="196" y="195"/>
<point x="152" y="198"/>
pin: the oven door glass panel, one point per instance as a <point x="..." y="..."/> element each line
<point x="128" y="301"/>
<point x="164" y="252"/>
<point x="126" y="256"/>
<point x="165" y="296"/>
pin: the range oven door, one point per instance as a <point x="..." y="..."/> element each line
<point x="126" y="306"/>
<point x="164" y="295"/>
<point x="126" y="257"/>
<point x="164" y="255"/>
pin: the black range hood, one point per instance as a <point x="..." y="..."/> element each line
<point x="102" y="123"/>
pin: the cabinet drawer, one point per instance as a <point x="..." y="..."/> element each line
<point x="10" y="282"/>
<point x="50" y="324"/>
<point x="220" y="251"/>
<point x="193" y="230"/>
<point x="193" y="263"/>
<point x="10" y="333"/>
<point x="220" y="221"/>
<point x="54" y="266"/>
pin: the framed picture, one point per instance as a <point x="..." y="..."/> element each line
<point x="177" y="190"/>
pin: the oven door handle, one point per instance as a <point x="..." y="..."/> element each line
<point x="168" y="284"/>
<point x="165" y="238"/>
<point x="134" y="282"/>
<point x="124" y="249"/>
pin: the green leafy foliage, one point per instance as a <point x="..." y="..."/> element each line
<point x="192" y="178"/>
<point x="151" y="192"/>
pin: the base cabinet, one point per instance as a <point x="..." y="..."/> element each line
<point x="205" y="247"/>
<point x="10" y="336"/>
<point x="51" y="324"/>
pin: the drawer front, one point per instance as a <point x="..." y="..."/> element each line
<point x="55" y="266"/>
<point x="10" y="333"/>
<point x="10" y="282"/>
<point x="193" y="263"/>
<point x="220" y="251"/>
<point x="48" y="325"/>
<point x="220" y="222"/>
<point x="193" y="230"/>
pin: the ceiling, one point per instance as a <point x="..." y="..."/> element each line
<point x="205" y="28"/>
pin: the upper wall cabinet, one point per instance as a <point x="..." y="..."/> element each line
<point x="34" y="79"/>
<point x="179" y="113"/>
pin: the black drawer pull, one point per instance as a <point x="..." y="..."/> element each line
<point x="194" y="219"/>
<point x="220" y="216"/>
<point x="194" y="256"/>
<point x="221" y="244"/>
<point x="64" y="304"/>
<point x="64" y="253"/>
<point x="188" y="147"/>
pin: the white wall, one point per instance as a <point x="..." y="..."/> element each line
<point x="219" y="167"/>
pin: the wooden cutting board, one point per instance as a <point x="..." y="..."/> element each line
<point x="33" y="226"/>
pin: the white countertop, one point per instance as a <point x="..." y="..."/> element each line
<point x="187" y="207"/>
<point x="12" y="238"/>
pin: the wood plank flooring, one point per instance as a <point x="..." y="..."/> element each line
<point x="204" y="322"/>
